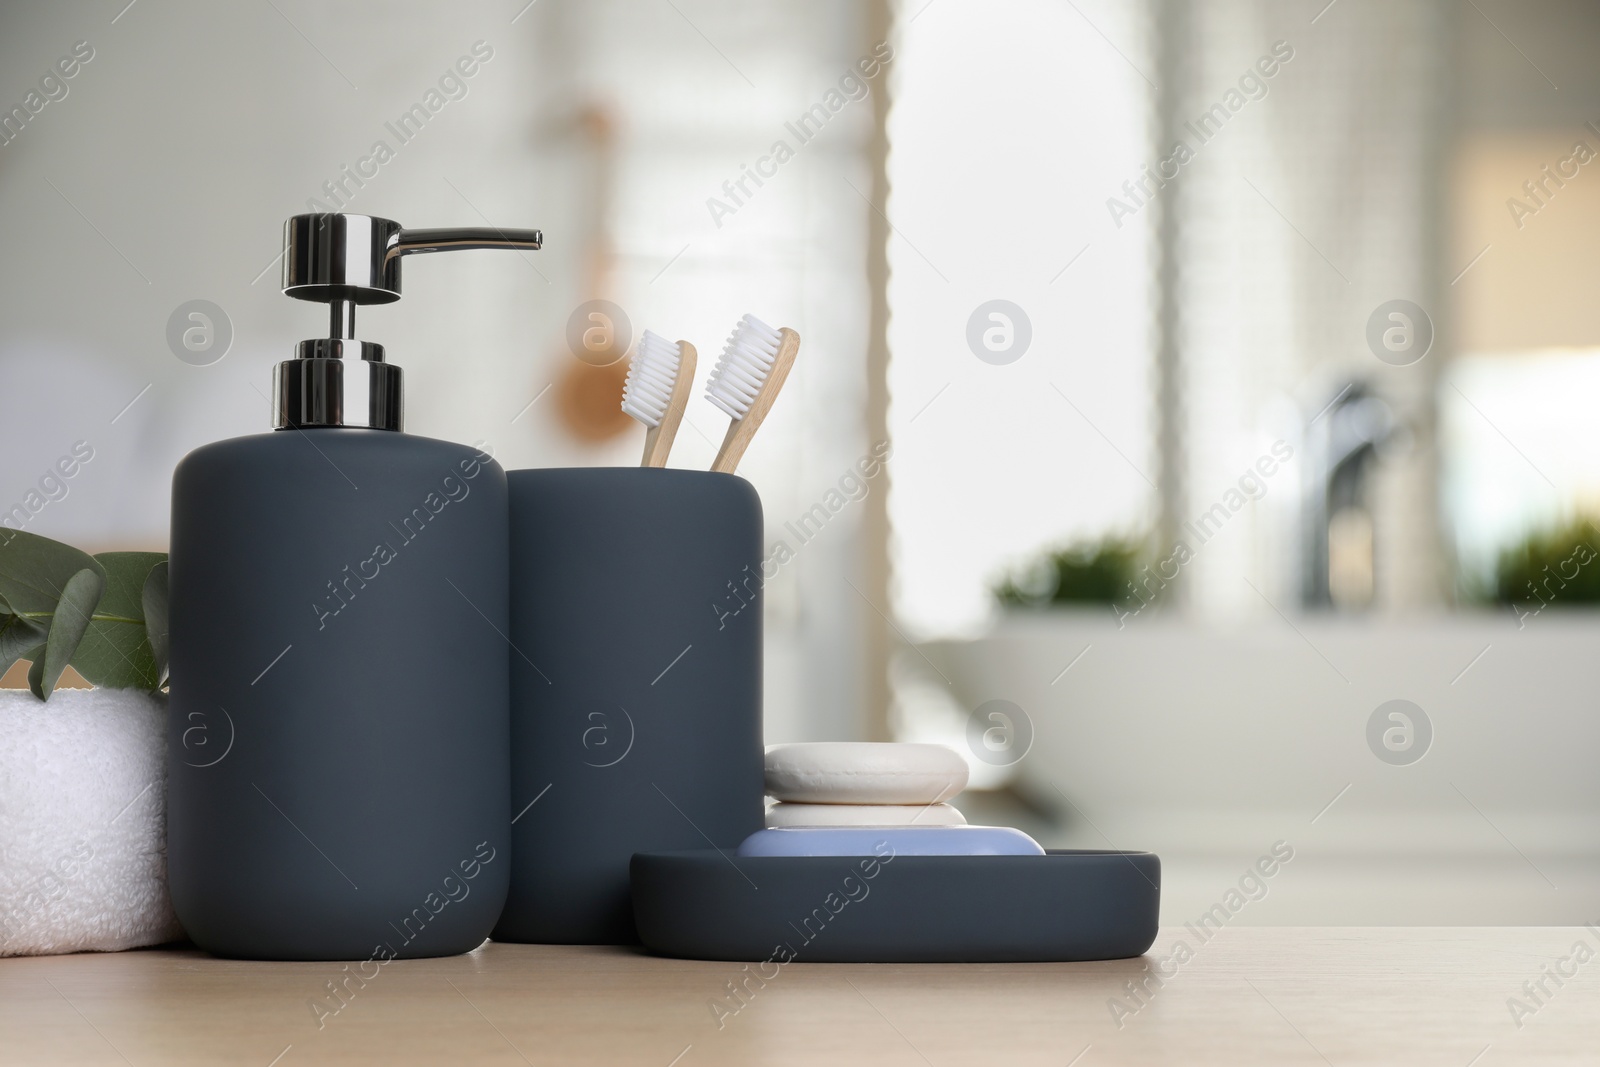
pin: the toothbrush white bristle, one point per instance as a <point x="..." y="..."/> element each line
<point x="651" y="376"/>
<point x="746" y="361"/>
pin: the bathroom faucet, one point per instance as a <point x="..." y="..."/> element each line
<point x="1341" y="446"/>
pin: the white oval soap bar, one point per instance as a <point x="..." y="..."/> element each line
<point x="790" y="814"/>
<point x="864" y="772"/>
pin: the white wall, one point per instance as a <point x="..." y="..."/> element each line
<point x="197" y="128"/>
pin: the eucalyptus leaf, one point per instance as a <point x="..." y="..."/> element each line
<point x="18" y="637"/>
<point x="36" y="674"/>
<point x="34" y="572"/>
<point x="115" y="652"/>
<point x="154" y="599"/>
<point x="60" y="606"/>
<point x="68" y="624"/>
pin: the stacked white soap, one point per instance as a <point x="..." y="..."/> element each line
<point x="863" y="783"/>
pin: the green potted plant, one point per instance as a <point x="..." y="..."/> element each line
<point x="82" y="771"/>
<point x="1553" y="567"/>
<point x="1083" y="574"/>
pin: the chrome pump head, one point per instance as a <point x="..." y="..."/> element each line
<point x="342" y="261"/>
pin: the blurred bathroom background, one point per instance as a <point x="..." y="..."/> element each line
<point x="1237" y="359"/>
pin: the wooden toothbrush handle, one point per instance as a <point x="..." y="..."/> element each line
<point x="658" y="439"/>
<point x="740" y="431"/>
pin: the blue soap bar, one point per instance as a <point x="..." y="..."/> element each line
<point x="890" y="841"/>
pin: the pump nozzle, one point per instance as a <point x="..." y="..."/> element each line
<point x="343" y="261"/>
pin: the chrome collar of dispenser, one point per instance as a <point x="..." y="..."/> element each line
<point x="342" y="261"/>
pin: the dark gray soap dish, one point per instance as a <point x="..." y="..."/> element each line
<point x="1064" y="906"/>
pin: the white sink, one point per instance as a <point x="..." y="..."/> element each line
<point x="1209" y="744"/>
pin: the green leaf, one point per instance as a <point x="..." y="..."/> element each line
<point x="59" y="605"/>
<point x="154" y="599"/>
<point x="116" y="651"/>
<point x="34" y="572"/>
<point x="67" y="627"/>
<point x="18" y="637"/>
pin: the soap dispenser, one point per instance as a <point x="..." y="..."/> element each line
<point x="338" y="771"/>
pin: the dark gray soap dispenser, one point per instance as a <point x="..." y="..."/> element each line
<point x="338" y="782"/>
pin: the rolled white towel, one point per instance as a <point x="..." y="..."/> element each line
<point x="83" y="822"/>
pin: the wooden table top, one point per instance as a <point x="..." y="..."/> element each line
<point x="1267" y="995"/>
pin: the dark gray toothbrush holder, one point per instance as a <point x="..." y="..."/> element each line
<point x="635" y="685"/>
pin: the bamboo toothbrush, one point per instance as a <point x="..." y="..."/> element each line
<point x="657" y="390"/>
<point x="746" y="382"/>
